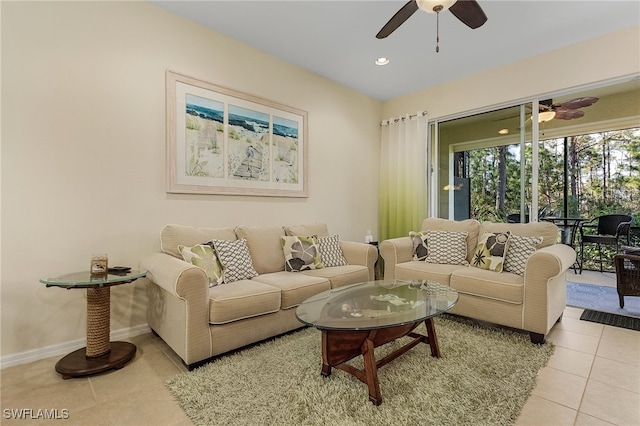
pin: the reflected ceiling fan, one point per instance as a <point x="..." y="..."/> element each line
<point x="467" y="11"/>
<point x="547" y="110"/>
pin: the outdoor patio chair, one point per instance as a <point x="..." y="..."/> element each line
<point x="610" y="229"/>
<point x="515" y="218"/>
<point x="627" y="273"/>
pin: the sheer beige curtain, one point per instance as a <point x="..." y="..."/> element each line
<point x="403" y="175"/>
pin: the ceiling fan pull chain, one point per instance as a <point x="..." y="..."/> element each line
<point x="437" y="29"/>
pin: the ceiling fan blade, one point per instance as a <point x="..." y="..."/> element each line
<point x="469" y="12"/>
<point x="398" y="19"/>
<point x="577" y="103"/>
<point x="568" y="114"/>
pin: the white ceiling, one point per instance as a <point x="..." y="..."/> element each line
<point x="336" y="39"/>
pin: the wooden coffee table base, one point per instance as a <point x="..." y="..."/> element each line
<point x="340" y="346"/>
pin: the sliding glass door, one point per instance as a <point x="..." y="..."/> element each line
<point x="509" y="164"/>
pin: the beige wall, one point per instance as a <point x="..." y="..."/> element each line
<point x="83" y="152"/>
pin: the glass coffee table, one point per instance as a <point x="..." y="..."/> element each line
<point x="100" y="354"/>
<point x="356" y="319"/>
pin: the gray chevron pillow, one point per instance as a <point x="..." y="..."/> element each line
<point x="235" y="259"/>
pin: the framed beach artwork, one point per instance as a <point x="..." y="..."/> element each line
<point x="221" y="141"/>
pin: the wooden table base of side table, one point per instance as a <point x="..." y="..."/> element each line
<point x="78" y="364"/>
<point x="100" y="354"/>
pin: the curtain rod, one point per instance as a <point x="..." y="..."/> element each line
<point x="404" y="117"/>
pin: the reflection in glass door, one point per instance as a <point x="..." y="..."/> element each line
<point x="485" y="166"/>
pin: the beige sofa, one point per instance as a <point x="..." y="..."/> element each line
<point x="198" y="321"/>
<point x="533" y="301"/>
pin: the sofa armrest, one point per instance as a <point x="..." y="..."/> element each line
<point x="360" y="254"/>
<point x="550" y="261"/>
<point x="176" y="276"/>
<point x="178" y="305"/>
<point x="394" y="251"/>
<point x="545" y="292"/>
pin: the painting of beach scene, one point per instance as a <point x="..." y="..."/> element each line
<point x="204" y="137"/>
<point x="221" y="141"/>
<point x="285" y="143"/>
<point x="249" y="137"/>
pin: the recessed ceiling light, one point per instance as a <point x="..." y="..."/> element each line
<point x="503" y="131"/>
<point x="382" y="61"/>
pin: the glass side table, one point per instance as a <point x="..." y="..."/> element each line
<point x="100" y="354"/>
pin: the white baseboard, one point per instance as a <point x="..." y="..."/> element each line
<point x="25" y="357"/>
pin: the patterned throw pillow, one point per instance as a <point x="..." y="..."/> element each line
<point x="419" y="241"/>
<point x="491" y="249"/>
<point x="235" y="259"/>
<point x="447" y="247"/>
<point x="520" y="249"/>
<point x="204" y="257"/>
<point x="301" y="253"/>
<point x="331" y="252"/>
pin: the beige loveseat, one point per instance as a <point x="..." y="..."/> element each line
<point x="198" y="321"/>
<point x="533" y="301"/>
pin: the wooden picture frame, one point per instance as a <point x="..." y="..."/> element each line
<point x="221" y="141"/>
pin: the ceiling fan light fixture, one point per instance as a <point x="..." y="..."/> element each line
<point x="434" y="6"/>
<point x="382" y="61"/>
<point x="545" y="116"/>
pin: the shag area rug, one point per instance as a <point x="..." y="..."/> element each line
<point x="601" y="298"/>
<point x="484" y="377"/>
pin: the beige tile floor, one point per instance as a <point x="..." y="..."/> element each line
<point x="593" y="378"/>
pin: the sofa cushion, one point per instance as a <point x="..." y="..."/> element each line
<point x="295" y="288"/>
<point x="520" y="249"/>
<point x="547" y="230"/>
<point x="301" y="253"/>
<point x="342" y="275"/>
<point x="418" y="270"/>
<point x="243" y="299"/>
<point x="312" y="228"/>
<point x="471" y="226"/>
<point x="174" y="235"/>
<point x="235" y="259"/>
<point x="491" y="250"/>
<point x="264" y="246"/>
<point x="505" y="287"/>
<point x="204" y="257"/>
<point x="447" y="247"/>
<point x="419" y="243"/>
<point x="331" y="251"/>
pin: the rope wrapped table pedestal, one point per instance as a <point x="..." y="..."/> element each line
<point x="98" y="320"/>
<point x="100" y="354"/>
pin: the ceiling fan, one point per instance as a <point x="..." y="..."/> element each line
<point x="467" y="11"/>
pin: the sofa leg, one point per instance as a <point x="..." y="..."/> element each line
<point x="536" y="338"/>
<point x="560" y="317"/>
